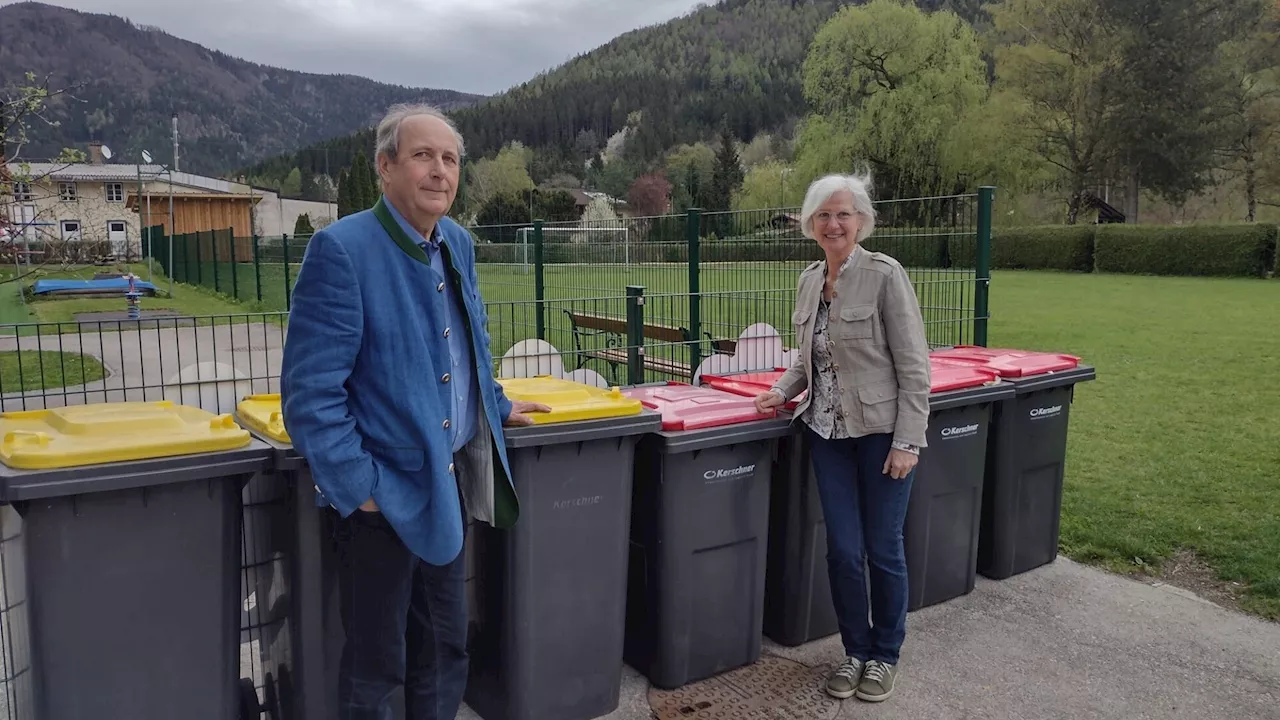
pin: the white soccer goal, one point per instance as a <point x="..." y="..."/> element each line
<point x="596" y="238"/>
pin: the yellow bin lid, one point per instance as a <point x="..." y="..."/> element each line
<point x="262" y="413"/>
<point x="569" y="400"/>
<point x="113" y="432"/>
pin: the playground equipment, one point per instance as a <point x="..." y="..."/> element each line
<point x="100" y="287"/>
<point x="132" y="297"/>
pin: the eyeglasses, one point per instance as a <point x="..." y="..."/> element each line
<point x="842" y="216"/>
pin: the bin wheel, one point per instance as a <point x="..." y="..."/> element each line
<point x="250" y="708"/>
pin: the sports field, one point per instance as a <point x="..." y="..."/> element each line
<point x="1173" y="453"/>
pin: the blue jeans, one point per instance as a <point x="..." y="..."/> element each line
<point x="405" y="623"/>
<point x="864" y="510"/>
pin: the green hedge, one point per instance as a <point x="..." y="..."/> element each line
<point x="1224" y="250"/>
<point x="1061" y="247"/>
<point x="1220" y="250"/>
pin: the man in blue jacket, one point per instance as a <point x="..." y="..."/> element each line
<point x="388" y="392"/>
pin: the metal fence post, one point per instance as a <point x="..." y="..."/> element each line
<point x="199" y="262"/>
<point x="539" y="281"/>
<point x="284" y="243"/>
<point x="693" y="229"/>
<point x="217" y="259"/>
<point x="981" y="294"/>
<point x="257" y="268"/>
<point x="635" y="334"/>
<point x="235" y="268"/>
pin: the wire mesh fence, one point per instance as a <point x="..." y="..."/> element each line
<point x="258" y="271"/>
<point x="741" y="264"/>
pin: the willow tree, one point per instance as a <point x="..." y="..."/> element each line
<point x="892" y="87"/>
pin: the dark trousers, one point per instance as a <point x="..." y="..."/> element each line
<point x="864" y="510"/>
<point x="405" y="623"/>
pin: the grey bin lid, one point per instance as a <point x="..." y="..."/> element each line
<point x="17" y="484"/>
<point x="582" y="430"/>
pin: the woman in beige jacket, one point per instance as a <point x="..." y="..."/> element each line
<point x="865" y="361"/>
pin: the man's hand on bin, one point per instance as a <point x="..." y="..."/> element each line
<point x="768" y="399"/>
<point x="519" y="408"/>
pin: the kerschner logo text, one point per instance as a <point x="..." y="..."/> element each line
<point x="728" y="473"/>
<point x="1045" y="412"/>
<point x="951" y="433"/>
<point x="578" y="502"/>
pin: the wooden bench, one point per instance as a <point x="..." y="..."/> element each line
<point x="615" y="352"/>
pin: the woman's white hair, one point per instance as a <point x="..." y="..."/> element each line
<point x="823" y="188"/>
<point x="388" y="137"/>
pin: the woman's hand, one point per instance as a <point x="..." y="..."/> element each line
<point x="899" y="463"/>
<point x="768" y="399"/>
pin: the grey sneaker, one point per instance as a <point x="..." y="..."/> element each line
<point x="877" y="681"/>
<point x="844" y="681"/>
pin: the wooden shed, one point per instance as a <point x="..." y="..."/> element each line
<point x="199" y="212"/>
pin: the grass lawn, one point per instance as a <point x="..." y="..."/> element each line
<point x="46" y="369"/>
<point x="1173" y="448"/>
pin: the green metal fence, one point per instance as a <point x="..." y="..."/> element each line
<point x="704" y="276"/>
<point x="709" y="276"/>
<point x="255" y="270"/>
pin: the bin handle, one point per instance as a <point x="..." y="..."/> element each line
<point x="224" y="421"/>
<point x="28" y="437"/>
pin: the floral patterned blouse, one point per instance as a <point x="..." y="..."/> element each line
<point x="824" y="414"/>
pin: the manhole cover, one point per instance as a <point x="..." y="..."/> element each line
<point x="774" y="688"/>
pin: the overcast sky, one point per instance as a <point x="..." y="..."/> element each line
<point x="482" y="46"/>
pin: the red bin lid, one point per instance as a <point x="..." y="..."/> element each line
<point x="947" y="375"/>
<point x="748" y="384"/>
<point x="1010" y="362"/>
<point x="688" y="407"/>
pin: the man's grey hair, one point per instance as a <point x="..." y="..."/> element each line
<point x="823" y="188"/>
<point x="388" y="138"/>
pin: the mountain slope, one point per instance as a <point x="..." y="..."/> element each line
<point x="738" y="61"/>
<point x="230" y="112"/>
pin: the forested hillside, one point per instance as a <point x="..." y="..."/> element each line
<point x="129" y="80"/>
<point x="1070" y="107"/>
<point x="738" y="61"/>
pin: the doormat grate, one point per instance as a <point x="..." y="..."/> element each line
<point x="773" y="688"/>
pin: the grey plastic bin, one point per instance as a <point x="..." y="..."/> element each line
<point x="121" y="587"/>
<point x="944" y="512"/>
<point x="699" y="536"/>
<point x="551" y="590"/>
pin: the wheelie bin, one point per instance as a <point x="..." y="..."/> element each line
<point x="944" y="511"/>
<point x="121" y="544"/>
<point x="699" y="533"/>
<point x="1022" y="496"/>
<point x="797" y="594"/>
<point x="551" y="590"/>
<point x="305" y="655"/>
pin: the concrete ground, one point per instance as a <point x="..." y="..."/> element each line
<point x="1064" y="641"/>
<point x="208" y="366"/>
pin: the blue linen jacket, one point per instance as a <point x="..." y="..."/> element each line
<point x="364" y="386"/>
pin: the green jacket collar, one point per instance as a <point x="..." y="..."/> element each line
<point x="397" y="233"/>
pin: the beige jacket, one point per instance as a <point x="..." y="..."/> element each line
<point x="881" y="354"/>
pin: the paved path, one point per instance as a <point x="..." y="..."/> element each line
<point x="1065" y="641"/>
<point x="146" y="365"/>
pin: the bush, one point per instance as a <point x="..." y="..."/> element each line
<point x="1054" y="247"/>
<point x="918" y="251"/>
<point x="1205" y="250"/>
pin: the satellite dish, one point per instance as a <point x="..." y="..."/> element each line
<point x="146" y="157"/>
<point x="106" y="152"/>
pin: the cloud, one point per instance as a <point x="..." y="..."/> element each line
<point x="483" y="46"/>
